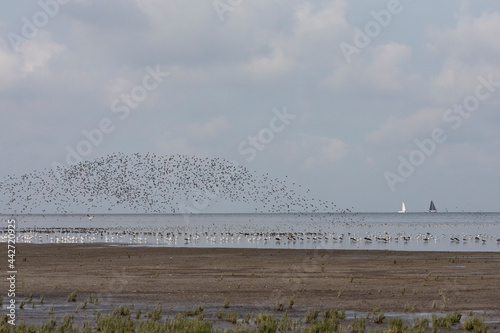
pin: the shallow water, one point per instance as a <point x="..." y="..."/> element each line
<point x="39" y="313"/>
<point x="368" y="231"/>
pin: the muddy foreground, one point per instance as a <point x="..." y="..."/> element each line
<point x="256" y="280"/>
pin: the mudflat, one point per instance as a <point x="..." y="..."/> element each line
<point x="259" y="278"/>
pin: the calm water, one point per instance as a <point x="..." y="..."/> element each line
<point x="390" y="231"/>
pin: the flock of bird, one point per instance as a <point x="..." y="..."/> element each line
<point x="149" y="183"/>
<point x="181" y="184"/>
<point x="220" y="236"/>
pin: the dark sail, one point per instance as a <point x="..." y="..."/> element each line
<point x="432" y="207"/>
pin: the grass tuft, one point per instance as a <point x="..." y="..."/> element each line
<point x="358" y="325"/>
<point x="280" y="306"/>
<point x="72" y="297"/>
<point x="311" y="315"/>
<point x="396" y="325"/>
<point x="232" y="317"/>
<point x="92" y="299"/>
<point x="475" y="324"/>
<point x="196" y="311"/>
<point x="154" y="315"/>
<point x="120" y="321"/>
<point x="266" y="322"/>
<point x="378" y="317"/>
<point x="421" y="324"/>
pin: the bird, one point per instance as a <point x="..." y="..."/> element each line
<point x="183" y="185"/>
<point x="150" y="183"/>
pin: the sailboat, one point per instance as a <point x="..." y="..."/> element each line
<point x="403" y="209"/>
<point x="432" y="208"/>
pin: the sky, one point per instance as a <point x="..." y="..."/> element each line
<point x="368" y="104"/>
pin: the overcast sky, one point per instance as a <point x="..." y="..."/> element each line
<point x="367" y="103"/>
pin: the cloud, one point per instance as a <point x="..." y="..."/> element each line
<point x="175" y="145"/>
<point x="472" y="39"/>
<point x="8" y="66"/>
<point x="466" y="156"/>
<point x="227" y="76"/>
<point x="401" y="130"/>
<point x="209" y="129"/>
<point x="389" y="66"/>
<point x="457" y="79"/>
<point x="465" y="51"/>
<point x="267" y="67"/>
<point x="194" y="138"/>
<point x="317" y="30"/>
<point x="33" y="58"/>
<point x="315" y="24"/>
<point x="317" y="152"/>
<point x="36" y="55"/>
<point x="386" y="68"/>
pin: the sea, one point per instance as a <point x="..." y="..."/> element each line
<point x="348" y="231"/>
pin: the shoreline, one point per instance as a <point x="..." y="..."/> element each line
<point x="353" y="280"/>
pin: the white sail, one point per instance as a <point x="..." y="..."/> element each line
<point x="403" y="208"/>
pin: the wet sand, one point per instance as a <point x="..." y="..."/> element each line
<point x="257" y="278"/>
